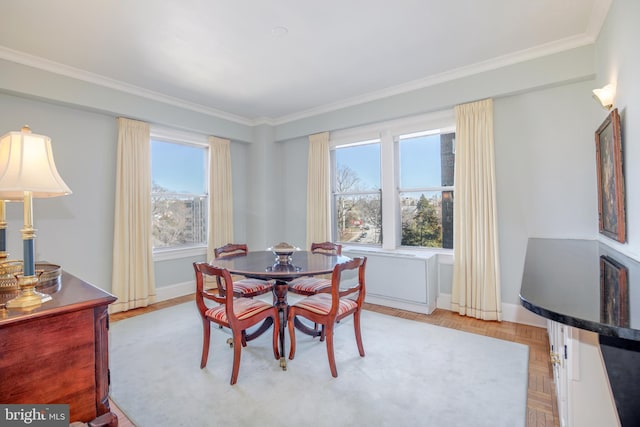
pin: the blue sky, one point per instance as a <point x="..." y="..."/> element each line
<point x="419" y="162"/>
<point x="178" y="168"/>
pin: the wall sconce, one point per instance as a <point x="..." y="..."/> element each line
<point x="27" y="170"/>
<point x="605" y="96"/>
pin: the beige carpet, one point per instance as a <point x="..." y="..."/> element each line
<point x="414" y="374"/>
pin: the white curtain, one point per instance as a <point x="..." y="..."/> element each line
<point x="132" y="277"/>
<point x="476" y="269"/>
<point x="220" y="194"/>
<point x="318" y="190"/>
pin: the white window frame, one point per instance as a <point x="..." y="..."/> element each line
<point x="388" y="132"/>
<point x="158" y="133"/>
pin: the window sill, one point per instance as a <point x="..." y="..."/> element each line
<point x="443" y="254"/>
<point x="177" y="253"/>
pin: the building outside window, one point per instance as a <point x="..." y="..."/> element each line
<point x="179" y="194"/>
<point x="392" y="183"/>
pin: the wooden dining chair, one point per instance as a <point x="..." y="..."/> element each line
<point x="232" y="312"/>
<point x="310" y="285"/>
<point x="244" y="287"/>
<point x="327" y="309"/>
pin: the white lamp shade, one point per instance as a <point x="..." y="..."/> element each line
<point x="26" y="164"/>
<point x="605" y="95"/>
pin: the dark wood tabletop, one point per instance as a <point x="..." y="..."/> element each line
<point x="264" y="265"/>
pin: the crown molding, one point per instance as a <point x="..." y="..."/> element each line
<point x="597" y="18"/>
<point x="461" y="72"/>
<point x="78" y="74"/>
<point x="466" y="71"/>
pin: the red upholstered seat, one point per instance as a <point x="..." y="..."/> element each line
<point x="244" y="287"/>
<point x="314" y="285"/>
<point x="252" y="287"/>
<point x="321" y="304"/>
<point x="309" y="285"/>
<point x="242" y="307"/>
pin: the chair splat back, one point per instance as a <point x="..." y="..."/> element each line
<point x="243" y="287"/>
<point x="329" y="248"/>
<point x="230" y="249"/>
<point x="232" y="312"/>
<point x="327" y="309"/>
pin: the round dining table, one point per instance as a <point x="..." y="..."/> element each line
<point x="267" y="266"/>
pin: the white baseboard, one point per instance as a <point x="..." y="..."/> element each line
<point x="400" y="304"/>
<point x="173" y="291"/>
<point x="518" y="314"/>
<point x="510" y="312"/>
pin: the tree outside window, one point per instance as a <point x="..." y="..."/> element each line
<point x="426" y="194"/>
<point x="357" y="194"/>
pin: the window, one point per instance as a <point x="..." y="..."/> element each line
<point x="426" y="169"/>
<point x="179" y="194"/>
<point x="356" y="193"/>
<point x="392" y="183"/>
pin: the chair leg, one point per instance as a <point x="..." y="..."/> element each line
<point x="356" y="327"/>
<point x="237" y="349"/>
<point x="330" y="353"/>
<point x="276" y="335"/>
<point x="292" y="334"/>
<point x="206" y="339"/>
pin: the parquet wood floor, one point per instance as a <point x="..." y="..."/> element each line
<point x="542" y="410"/>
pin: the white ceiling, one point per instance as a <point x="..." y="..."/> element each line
<point x="227" y="58"/>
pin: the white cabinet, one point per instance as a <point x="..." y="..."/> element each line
<point x="581" y="384"/>
<point x="559" y="343"/>
<point x="403" y="281"/>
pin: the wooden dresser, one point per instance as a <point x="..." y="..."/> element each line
<point x="58" y="353"/>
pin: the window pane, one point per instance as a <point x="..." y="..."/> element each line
<point x="178" y="221"/>
<point x="178" y="168"/>
<point x="359" y="218"/>
<point x="427" y="219"/>
<point x="179" y="194"/>
<point x="358" y="168"/>
<point x="427" y="161"/>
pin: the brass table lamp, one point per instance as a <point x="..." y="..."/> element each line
<point x="27" y="171"/>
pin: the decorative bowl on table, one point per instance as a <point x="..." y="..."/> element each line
<point x="283" y="252"/>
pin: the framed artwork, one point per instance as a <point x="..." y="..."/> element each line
<point x="611" y="211"/>
<point x="614" y="302"/>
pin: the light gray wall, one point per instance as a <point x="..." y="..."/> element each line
<point x="617" y="61"/>
<point x="74" y="231"/>
<point x="545" y="172"/>
<point x="295" y="155"/>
